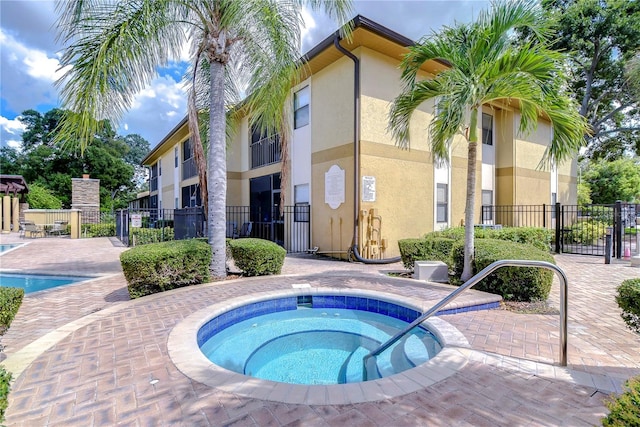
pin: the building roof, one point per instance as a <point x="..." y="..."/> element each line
<point x="365" y="33"/>
<point x="13" y="184"/>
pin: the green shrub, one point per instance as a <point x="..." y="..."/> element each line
<point x="628" y="299"/>
<point x="159" y="267"/>
<point x="538" y="237"/>
<point x="257" y="257"/>
<point x="102" y="229"/>
<point x="10" y="300"/>
<point x="427" y="249"/>
<point x="586" y="232"/>
<point x="144" y="236"/>
<point x="624" y="410"/>
<point x="512" y="283"/>
<point x="5" y="386"/>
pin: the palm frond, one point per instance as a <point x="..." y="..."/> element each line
<point x="113" y="52"/>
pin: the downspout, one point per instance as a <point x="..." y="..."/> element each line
<point x="356" y="157"/>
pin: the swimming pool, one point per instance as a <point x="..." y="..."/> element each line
<point x="37" y="282"/>
<point x="186" y="337"/>
<point x="6" y="247"/>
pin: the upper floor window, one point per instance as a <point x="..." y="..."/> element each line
<point x="301" y="107"/>
<point x="265" y="150"/>
<point x="153" y="178"/>
<point x="189" y="168"/>
<point x="175" y="157"/>
<point x="487" y="129"/>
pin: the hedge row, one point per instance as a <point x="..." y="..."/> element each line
<point x="535" y="236"/>
<point x="512" y="283"/>
<point x="10" y="300"/>
<point x="163" y="266"/>
<point x="144" y="236"/>
<point x="103" y="229"/>
<point x="628" y="299"/>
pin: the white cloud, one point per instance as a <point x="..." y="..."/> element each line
<point x="11" y="132"/>
<point x="156" y="110"/>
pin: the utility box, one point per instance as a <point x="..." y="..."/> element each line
<point x="431" y="271"/>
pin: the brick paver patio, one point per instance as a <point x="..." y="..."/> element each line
<point x="85" y="355"/>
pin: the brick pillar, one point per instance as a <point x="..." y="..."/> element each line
<point x="85" y="194"/>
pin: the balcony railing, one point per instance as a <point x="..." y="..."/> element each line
<point x="265" y="151"/>
<point x="189" y="168"/>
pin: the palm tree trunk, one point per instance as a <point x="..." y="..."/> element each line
<point x="469" y="210"/>
<point x="217" y="173"/>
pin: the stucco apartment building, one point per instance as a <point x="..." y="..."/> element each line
<point x="345" y="165"/>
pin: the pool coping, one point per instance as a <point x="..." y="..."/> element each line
<point x="185" y="353"/>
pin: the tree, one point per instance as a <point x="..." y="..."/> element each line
<point x="114" y="47"/>
<point x="40" y="197"/>
<point x="602" y="36"/>
<point x="487" y="65"/>
<point x="41" y="161"/>
<point x="612" y="181"/>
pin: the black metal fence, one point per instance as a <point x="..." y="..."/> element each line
<point x="290" y="229"/>
<point x="577" y="229"/>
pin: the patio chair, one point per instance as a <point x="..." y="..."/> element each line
<point x="59" y="227"/>
<point x="245" y="231"/>
<point x="33" y="230"/>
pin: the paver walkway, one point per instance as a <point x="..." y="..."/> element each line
<point x="102" y="360"/>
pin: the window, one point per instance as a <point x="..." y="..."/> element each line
<point x="189" y="168"/>
<point x="487" y="205"/>
<point x="487" y="129"/>
<point x="159" y="167"/>
<point x="442" y="202"/>
<point x="153" y="180"/>
<point x="301" y="197"/>
<point x="175" y="157"/>
<point x="301" y="107"/>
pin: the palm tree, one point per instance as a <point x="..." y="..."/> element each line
<point x="486" y="65"/>
<point x="113" y="49"/>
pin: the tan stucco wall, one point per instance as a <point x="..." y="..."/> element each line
<point x="332" y="106"/>
<point x="332" y="229"/>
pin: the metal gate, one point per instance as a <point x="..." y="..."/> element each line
<point x="188" y="223"/>
<point x="582" y="230"/>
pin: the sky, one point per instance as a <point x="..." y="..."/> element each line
<point x="29" y="59"/>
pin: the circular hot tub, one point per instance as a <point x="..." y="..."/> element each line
<point x="286" y="345"/>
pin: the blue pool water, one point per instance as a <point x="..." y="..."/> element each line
<point x="315" y="345"/>
<point x="36" y="282"/>
<point x="4" y="247"/>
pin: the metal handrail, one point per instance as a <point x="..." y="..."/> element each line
<point x="474" y="281"/>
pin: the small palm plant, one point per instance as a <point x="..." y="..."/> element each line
<point x="487" y="64"/>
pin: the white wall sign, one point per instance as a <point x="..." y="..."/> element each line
<point x="368" y="188"/>
<point x="136" y="220"/>
<point x="334" y="187"/>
